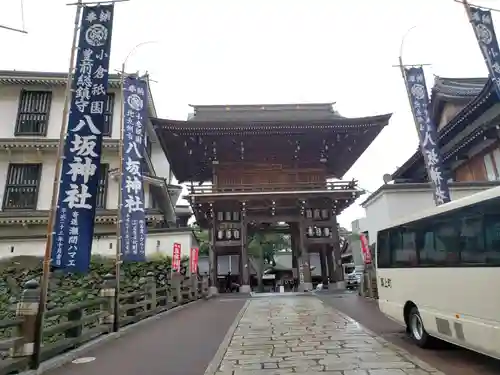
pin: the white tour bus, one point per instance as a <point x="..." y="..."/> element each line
<point x="438" y="273"/>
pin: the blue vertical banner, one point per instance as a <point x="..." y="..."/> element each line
<point x="73" y="230"/>
<point x="482" y="23"/>
<point x="427" y="132"/>
<point x="133" y="217"/>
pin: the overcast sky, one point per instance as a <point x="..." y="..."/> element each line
<point x="271" y="51"/>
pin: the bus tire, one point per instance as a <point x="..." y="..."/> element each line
<point x="416" y="329"/>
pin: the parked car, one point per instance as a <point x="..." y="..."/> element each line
<point x="353" y="279"/>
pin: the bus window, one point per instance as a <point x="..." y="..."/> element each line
<point x="446" y="242"/>
<point x="383" y="250"/>
<point x="492" y="238"/>
<point x="427" y="253"/>
<point x="396" y="243"/>
<point x="408" y="254"/>
<point x="472" y="240"/>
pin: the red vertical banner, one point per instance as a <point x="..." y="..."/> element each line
<point x="193" y="260"/>
<point x="176" y="257"/>
<point x="367" y="255"/>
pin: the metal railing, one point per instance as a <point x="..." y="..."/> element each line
<point x="32" y="124"/>
<point x="20" y="198"/>
<point x="275" y="187"/>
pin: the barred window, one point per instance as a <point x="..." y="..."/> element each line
<point x="21" y="189"/>
<point x="102" y="189"/>
<point x="33" y="113"/>
<point x="108" y="114"/>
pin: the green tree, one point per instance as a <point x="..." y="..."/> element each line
<point x="267" y="244"/>
<point x="203" y="239"/>
<point x="263" y="246"/>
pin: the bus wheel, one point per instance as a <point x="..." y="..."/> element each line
<point x="417" y="330"/>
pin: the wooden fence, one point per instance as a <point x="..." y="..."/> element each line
<point x="68" y="327"/>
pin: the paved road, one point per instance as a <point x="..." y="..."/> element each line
<point x="302" y="335"/>
<point x="182" y="343"/>
<point x="447" y="358"/>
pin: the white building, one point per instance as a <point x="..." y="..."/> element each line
<point x="396" y="201"/>
<point x="31" y="106"/>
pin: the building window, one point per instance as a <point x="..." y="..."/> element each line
<point x="489" y="165"/>
<point x="103" y="186"/>
<point x="154" y="203"/>
<point x="33" y="113"/>
<point x="492" y="165"/>
<point x="108" y="115"/>
<point x="21" y="189"/>
<point x="149" y="145"/>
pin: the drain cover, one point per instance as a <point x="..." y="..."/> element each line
<point x="83" y="360"/>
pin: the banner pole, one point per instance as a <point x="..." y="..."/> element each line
<point x="401" y="67"/>
<point x="469" y="17"/>
<point x="44" y="284"/>
<point x="116" y="318"/>
<point x="465" y="2"/>
<point x="408" y="94"/>
<point x="13" y="29"/>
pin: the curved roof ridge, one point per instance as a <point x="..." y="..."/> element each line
<point x="383" y="119"/>
<point x="459" y="86"/>
<point x="263" y="105"/>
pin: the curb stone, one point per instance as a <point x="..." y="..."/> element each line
<point x="63" y="359"/>
<point x="402" y="352"/>
<point x="214" y="364"/>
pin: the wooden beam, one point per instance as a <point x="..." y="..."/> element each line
<point x="273" y="219"/>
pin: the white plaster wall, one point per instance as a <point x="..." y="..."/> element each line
<point x="9" y="104"/>
<point x="48" y="159"/>
<point x="377" y="216"/>
<point x="406" y="203"/>
<point x="160" y="162"/>
<point x="391" y="205"/>
<point x="155" y="243"/>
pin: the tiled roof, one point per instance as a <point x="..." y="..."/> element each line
<point x="26" y="78"/>
<point x="225" y="264"/>
<point x="456" y="88"/>
<point x="474" y="93"/>
<point x="263" y="112"/>
<point x="284" y="262"/>
<point x="15" y="77"/>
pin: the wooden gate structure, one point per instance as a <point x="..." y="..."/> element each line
<point x="258" y="165"/>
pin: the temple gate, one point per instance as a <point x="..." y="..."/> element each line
<point x="252" y="167"/>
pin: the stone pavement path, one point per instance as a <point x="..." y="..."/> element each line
<point x="180" y="343"/>
<point x="301" y="335"/>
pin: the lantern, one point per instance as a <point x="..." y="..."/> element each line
<point x="310" y="231"/>
<point x="220" y="234"/>
<point x="318" y="232"/>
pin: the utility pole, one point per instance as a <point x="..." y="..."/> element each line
<point x="9" y="28"/>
